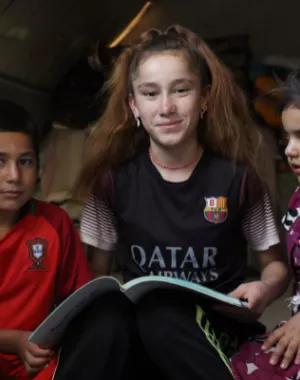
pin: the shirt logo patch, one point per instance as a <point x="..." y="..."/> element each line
<point x="216" y="210"/>
<point x="37" y="253"/>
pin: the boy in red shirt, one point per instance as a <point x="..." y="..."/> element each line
<point x="42" y="259"/>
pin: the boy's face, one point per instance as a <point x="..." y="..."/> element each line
<point x="18" y="170"/>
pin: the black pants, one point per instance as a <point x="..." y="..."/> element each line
<point x="159" y="338"/>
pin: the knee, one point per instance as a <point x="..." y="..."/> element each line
<point x="155" y="326"/>
<point x="105" y="312"/>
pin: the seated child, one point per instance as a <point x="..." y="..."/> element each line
<point x="277" y="355"/>
<point x="42" y="259"/>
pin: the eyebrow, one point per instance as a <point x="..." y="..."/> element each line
<point x="28" y="153"/>
<point x="173" y="83"/>
<point x="24" y="154"/>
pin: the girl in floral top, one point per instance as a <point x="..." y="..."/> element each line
<point x="277" y="355"/>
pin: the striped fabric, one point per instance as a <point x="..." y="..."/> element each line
<point x="259" y="226"/>
<point x="98" y="226"/>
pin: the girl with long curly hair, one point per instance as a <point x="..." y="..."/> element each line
<point x="175" y="186"/>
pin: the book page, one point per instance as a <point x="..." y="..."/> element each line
<point x="137" y="288"/>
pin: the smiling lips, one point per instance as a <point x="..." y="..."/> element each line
<point x="169" y="123"/>
<point x="295" y="168"/>
<point x="13" y="194"/>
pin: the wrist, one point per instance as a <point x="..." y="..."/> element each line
<point x="16" y="342"/>
<point x="11" y="341"/>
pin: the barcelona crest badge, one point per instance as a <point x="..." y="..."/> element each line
<point x="216" y="210"/>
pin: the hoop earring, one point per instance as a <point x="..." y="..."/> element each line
<point x="202" y="113"/>
<point x="138" y="122"/>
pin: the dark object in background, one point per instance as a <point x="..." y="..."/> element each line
<point x="79" y="99"/>
<point x="235" y="53"/>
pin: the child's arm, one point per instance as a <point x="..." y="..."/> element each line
<point x="73" y="270"/>
<point x="261" y="232"/>
<point x="274" y="270"/>
<point x="16" y="342"/>
<point x="98" y="230"/>
<point x="100" y="261"/>
<point x="10" y="341"/>
<point x="273" y="282"/>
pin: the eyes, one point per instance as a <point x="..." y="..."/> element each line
<point x="27" y="162"/>
<point x="153" y="94"/>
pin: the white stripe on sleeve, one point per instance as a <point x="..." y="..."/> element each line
<point x="98" y="225"/>
<point x="259" y="226"/>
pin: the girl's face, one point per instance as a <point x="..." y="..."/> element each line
<point x="18" y="170"/>
<point x="291" y="124"/>
<point x="167" y="97"/>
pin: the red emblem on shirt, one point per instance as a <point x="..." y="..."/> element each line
<point x="37" y="253"/>
<point x="216" y="210"/>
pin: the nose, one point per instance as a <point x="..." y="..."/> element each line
<point x="167" y="105"/>
<point x="13" y="172"/>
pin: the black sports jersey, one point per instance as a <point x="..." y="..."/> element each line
<point x="189" y="230"/>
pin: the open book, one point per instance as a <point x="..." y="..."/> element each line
<point x="50" y="332"/>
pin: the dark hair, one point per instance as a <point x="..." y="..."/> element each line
<point x="288" y="92"/>
<point x="229" y="129"/>
<point x="15" y="118"/>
